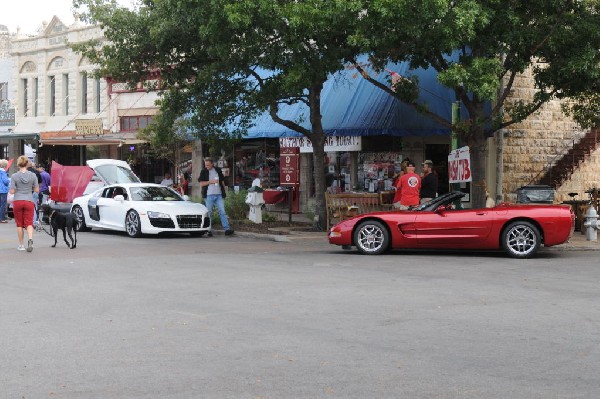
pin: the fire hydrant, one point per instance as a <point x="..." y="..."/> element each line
<point x="255" y="199"/>
<point x="591" y="224"/>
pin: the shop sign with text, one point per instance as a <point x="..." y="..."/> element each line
<point x="332" y="143"/>
<point x="459" y="166"/>
<point x="88" y="127"/>
<point x="289" y="161"/>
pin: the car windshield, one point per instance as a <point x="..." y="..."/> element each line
<point x="153" y="193"/>
<point x="441" y="200"/>
<point x="113" y="174"/>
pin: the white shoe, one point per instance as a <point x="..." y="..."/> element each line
<point x="21" y="248"/>
<point x="29" y="245"/>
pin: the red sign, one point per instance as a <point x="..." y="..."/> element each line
<point x="289" y="161"/>
<point x="289" y="174"/>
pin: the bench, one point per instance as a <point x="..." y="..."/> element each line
<point x="344" y="206"/>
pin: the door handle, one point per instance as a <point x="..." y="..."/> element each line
<point x="481" y="213"/>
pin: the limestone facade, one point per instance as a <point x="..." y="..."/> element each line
<point x="530" y="147"/>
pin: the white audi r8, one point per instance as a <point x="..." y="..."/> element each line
<point x="140" y="208"/>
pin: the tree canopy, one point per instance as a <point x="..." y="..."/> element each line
<point x="480" y="47"/>
<point x="223" y="62"/>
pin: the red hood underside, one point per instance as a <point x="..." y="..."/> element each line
<point x="68" y="182"/>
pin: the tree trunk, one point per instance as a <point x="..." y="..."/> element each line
<point x="317" y="137"/>
<point x="478" y="149"/>
<point x="319" y="176"/>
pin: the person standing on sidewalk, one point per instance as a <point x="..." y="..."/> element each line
<point x="212" y="182"/>
<point x="4" y="185"/>
<point x="407" y="188"/>
<point x="429" y="182"/>
<point x="22" y="184"/>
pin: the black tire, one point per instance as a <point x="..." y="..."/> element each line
<point x="80" y="219"/>
<point x="133" y="225"/>
<point x="521" y="239"/>
<point x="197" y="233"/>
<point x="371" y="238"/>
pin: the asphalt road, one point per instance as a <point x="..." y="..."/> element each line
<point x="236" y="317"/>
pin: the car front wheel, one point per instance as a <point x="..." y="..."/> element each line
<point x="80" y="219"/>
<point x="371" y="237"/>
<point x="521" y="239"/>
<point x="133" y="226"/>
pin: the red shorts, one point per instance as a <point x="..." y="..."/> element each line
<point x="23" y="211"/>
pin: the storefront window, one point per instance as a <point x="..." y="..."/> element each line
<point x="377" y="170"/>
<point x="256" y="159"/>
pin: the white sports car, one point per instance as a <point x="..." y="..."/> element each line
<point x="140" y="208"/>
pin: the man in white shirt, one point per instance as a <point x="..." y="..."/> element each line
<point x="167" y="181"/>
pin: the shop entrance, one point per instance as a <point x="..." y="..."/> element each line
<point x="438" y="153"/>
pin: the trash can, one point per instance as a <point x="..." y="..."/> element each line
<point x="535" y="194"/>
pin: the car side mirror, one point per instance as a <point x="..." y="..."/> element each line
<point x="441" y="209"/>
<point x="119" y="198"/>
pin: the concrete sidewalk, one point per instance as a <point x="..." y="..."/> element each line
<point x="578" y="243"/>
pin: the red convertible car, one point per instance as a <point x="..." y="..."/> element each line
<point x="518" y="229"/>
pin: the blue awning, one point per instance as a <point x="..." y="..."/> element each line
<point x="351" y="106"/>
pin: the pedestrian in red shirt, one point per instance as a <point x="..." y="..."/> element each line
<point x="407" y="188"/>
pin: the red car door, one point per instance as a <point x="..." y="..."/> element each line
<point x="465" y="228"/>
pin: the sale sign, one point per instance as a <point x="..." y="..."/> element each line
<point x="459" y="166"/>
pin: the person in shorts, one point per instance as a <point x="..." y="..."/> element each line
<point x="22" y="185"/>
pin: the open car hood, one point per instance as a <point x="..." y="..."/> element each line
<point x="68" y="182"/>
<point x="112" y="171"/>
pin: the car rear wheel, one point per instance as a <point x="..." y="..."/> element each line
<point x="371" y="237"/>
<point x="80" y="219"/>
<point x="133" y="226"/>
<point x="521" y="239"/>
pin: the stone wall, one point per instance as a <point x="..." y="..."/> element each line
<point x="531" y="146"/>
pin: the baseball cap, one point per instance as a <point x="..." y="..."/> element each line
<point x="427" y="162"/>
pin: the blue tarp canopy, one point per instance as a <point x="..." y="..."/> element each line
<point x="352" y="106"/>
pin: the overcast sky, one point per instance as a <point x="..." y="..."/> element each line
<point x="29" y="14"/>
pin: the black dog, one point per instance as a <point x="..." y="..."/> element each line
<point x="67" y="222"/>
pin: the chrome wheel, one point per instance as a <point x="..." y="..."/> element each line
<point x="521" y="239"/>
<point x="80" y="219"/>
<point x="371" y="237"/>
<point x="132" y="224"/>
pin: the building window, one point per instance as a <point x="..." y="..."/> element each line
<point x="133" y="123"/>
<point x="3" y="151"/>
<point x="98" y="95"/>
<point x="3" y="91"/>
<point x="25" y="95"/>
<point x="52" y="95"/>
<point x="66" y="93"/>
<point x="36" y="96"/>
<point x="84" y="93"/>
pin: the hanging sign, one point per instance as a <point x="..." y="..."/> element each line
<point x="88" y="127"/>
<point x="459" y="166"/>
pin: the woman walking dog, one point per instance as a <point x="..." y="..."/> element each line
<point x="22" y="184"/>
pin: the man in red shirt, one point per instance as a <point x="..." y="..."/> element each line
<point x="407" y="188"/>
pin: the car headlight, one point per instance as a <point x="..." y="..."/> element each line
<point x="158" y="215"/>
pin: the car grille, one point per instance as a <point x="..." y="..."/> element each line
<point x="163" y="223"/>
<point x="192" y="221"/>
